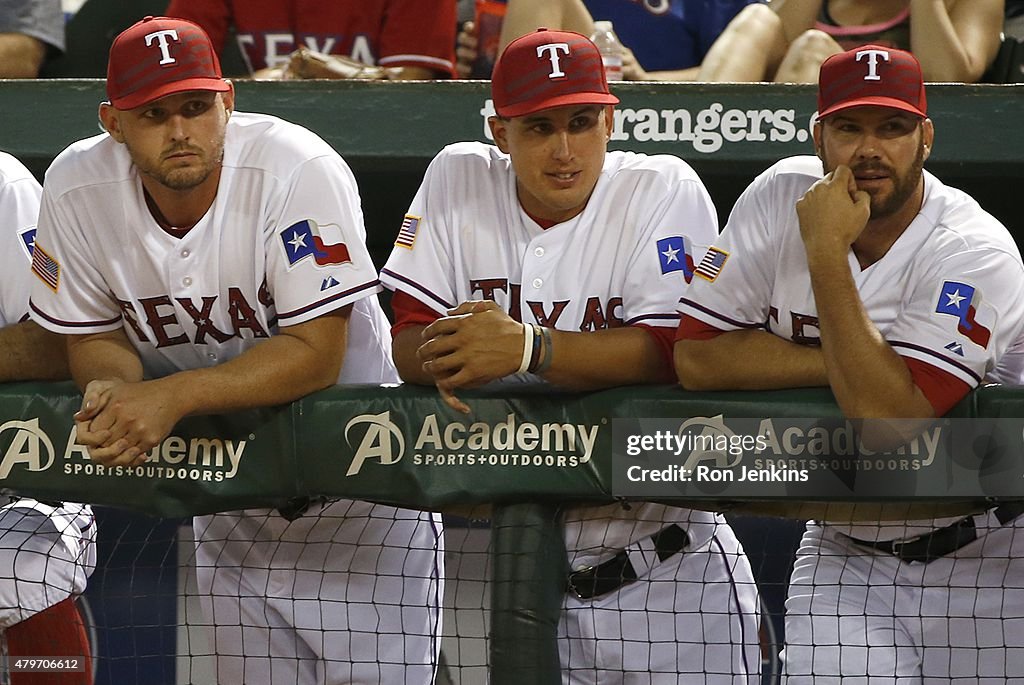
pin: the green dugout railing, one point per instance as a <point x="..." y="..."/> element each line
<point x="525" y="452"/>
<point x="402" y="445"/>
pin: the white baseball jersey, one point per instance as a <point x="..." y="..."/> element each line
<point x="46" y="552"/>
<point x="947" y="293"/>
<point x="282" y="244"/>
<point x="19" y="202"/>
<point x="625" y="259"/>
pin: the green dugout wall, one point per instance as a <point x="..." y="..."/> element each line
<point x="388" y="132"/>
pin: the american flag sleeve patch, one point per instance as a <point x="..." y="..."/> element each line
<point x="711" y="265"/>
<point x="407" y="233"/>
<point x="45" y="267"/>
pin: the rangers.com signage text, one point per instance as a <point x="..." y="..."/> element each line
<point x="706" y="130"/>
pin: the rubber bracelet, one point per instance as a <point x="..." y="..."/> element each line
<point x="527" y="348"/>
<point x="535" y="353"/>
<point x="549" y="351"/>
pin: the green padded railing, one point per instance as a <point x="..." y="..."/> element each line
<point x="526" y="452"/>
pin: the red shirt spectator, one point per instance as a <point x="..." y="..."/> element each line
<point x="418" y="35"/>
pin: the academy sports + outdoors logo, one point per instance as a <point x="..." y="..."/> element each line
<point x="27" y="446"/>
<point x="511" y="442"/>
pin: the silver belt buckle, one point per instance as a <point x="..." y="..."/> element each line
<point x="572" y="578"/>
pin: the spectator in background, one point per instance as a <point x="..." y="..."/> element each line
<point x="47" y="549"/>
<point x="30" y="30"/>
<point x="412" y="39"/>
<point x="786" y="42"/>
<point x="665" y="40"/>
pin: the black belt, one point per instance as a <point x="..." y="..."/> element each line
<point x="56" y="504"/>
<point x="943" y="541"/>
<point x="610" y="575"/>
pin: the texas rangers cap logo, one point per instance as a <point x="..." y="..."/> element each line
<point x="871" y="57"/>
<point x="552" y="51"/>
<point x="162" y="39"/>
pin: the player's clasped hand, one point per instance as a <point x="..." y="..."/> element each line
<point x="119" y="422"/>
<point x="476" y="343"/>
<point x="833" y="213"/>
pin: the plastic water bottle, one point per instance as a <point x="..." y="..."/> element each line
<point x="610" y="48"/>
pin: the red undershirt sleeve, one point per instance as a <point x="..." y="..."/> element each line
<point x="695" y="329"/>
<point x="941" y="389"/>
<point x="664" y="339"/>
<point x="410" y="312"/>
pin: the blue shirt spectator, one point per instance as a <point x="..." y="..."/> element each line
<point x="667" y="35"/>
<point x="30" y="30"/>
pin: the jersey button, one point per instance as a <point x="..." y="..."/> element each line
<point x="187" y="281"/>
<point x="537" y="282"/>
<point x="539" y="252"/>
<point x="185" y="254"/>
<point x="211" y="356"/>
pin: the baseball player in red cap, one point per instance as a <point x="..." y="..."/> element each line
<point x="860" y="271"/>
<point x="546" y="258"/>
<point x="201" y="260"/>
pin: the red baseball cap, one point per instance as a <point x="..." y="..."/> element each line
<point x="548" y="69"/>
<point x="160" y="56"/>
<point x="871" y="75"/>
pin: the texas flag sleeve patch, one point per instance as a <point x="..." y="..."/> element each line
<point x="962" y="301"/>
<point x="675" y="254"/>
<point x="303" y="239"/>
